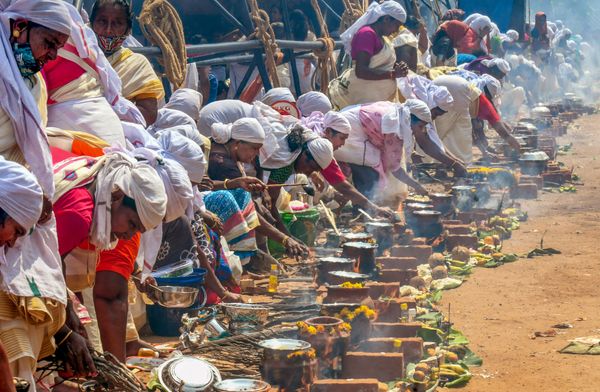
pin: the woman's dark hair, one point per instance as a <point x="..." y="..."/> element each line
<point x="299" y="25"/>
<point x="129" y="202"/>
<point x="295" y="138"/>
<point x="126" y="4"/>
<point x="3" y="216"/>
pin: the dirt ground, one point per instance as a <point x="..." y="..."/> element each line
<point x="499" y="309"/>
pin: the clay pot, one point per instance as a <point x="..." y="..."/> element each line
<point x="427" y="223"/>
<point x="335" y="278"/>
<point x="280" y="371"/>
<point x="329" y="264"/>
<point x="363" y="253"/>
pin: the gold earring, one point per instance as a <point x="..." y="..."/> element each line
<point x="16" y="33"/>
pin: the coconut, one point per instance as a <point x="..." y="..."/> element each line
<point x="422" y="367"/>
<point x="461" y="253"/>
<point x="451" y="357"/>
<point x="419" y="376"/>
<point x="436" y="259"/>
<point x="417" y="282"/>
<point x="439" y="272"/>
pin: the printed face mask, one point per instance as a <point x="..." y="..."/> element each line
<point x="28" y="65"/>
<point x="110" y="45"/>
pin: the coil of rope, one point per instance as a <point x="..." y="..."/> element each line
<point x="353" y="9"/>
<point x="265" y="34"/>
<point x="325" y="60"/>
<point x="161" y="25"/>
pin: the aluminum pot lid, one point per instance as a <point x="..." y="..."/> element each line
<point x="284" y="344"/>
<point x="241" y="384"/>
<point x="189" y="373"/>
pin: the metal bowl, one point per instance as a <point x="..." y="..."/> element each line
<point x="187" y="374"/>
<point x="237" y="312"/>
<point x="176" y="296"/>
<point x="242" y="385"/>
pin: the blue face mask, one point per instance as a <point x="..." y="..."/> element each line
<point x="28" y="65"/>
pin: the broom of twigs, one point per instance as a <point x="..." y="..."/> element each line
<point x="112" y="376"/>
<point x="239" y="355"/>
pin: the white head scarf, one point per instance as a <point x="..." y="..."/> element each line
<point x="245" y="129"/>
<point x="188" y="131"/>
<point x="138" y="136"/>
<point x="313" y="101"/>
<point x="471" y="18"/>
<point x="322" y="151"/>
<point x="276" y="153"/>
<point x="502" y="64"/>
<point x="168" y="118"/>
<point x="419" y="109"/>
<point x="187" y="153"/>
<point x="480" y="23"/>
<point x="512" y="36"/>
<point x="17" y="101"/>
<point x="425" y="90"/>
<point x="278" y="94"/>
<point x="20" y="194"/>
<point x="493" y="85"/>
<point x="187" y="101"/>
<point x="374" y="12"/>
<point x="332" y="119"/>
<point x="175" y="179"/>
<point x="138" y="181"/>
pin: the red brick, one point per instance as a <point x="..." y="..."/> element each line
<point x="525" y="191"/>
<point x="411" y="348"/>
<point x="468" y="241"/>
<point x="396" y="275"/>
<point x="389" y="311"/>
<point x="350" y="384"/>
<point x="458" y="229"/>
<point x="383" y="366"/>
<point x="558" y="177"/>
<point x="467" y="217"/>
<point x="420" y="252"/>
<point x="451" y="222"/>
<point x="403" y="263"/>
<point x="419" y="241"/>
<point x="380" y="289"/>
<point x="395" y="330"/>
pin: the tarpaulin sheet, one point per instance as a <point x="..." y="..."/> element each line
<point x="499" y="11"/>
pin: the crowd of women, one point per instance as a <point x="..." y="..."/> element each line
<point x="101" y="181"/>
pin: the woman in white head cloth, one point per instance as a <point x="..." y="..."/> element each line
<point x="382" y="139"/>
<point x="100" y="201"/>
<point x="313" y="101"/>
<point x="336" y="128"/>
<point x="440" y="102"/>
<point x="292" y="150"/>
<point x="21" y="200"/>
<point x="482" y="26"/>
<point x="471" y="107"/>
<point x="373" y="75"/>
<point x="236" y="144"/>
<point x="33" y="298"/>
<point x="115" y="267"/>
<point x="495" y="67"/>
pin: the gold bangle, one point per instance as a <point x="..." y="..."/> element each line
<point x="225" y="183"/>
<point x="65" y="338"/>
<point x="285" y="240"/>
